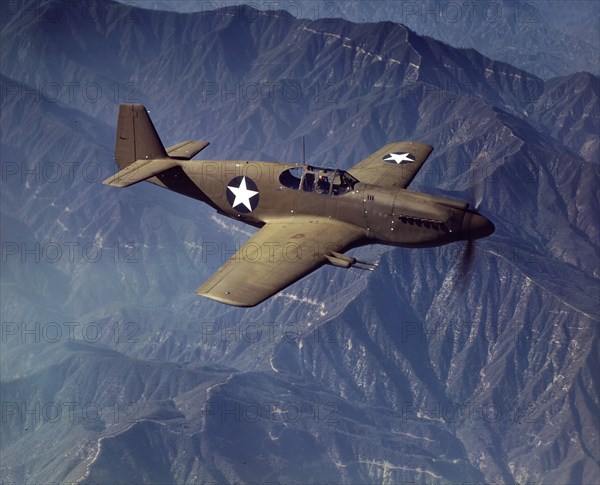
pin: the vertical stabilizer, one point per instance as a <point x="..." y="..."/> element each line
<point x="136" y="137"/>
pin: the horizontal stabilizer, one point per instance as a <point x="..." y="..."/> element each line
<point x="185" y="150"/>
<point x="138" y="171"/>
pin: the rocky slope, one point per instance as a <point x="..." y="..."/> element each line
<point x="545" y="37"/>
<point x="418" y="372"/>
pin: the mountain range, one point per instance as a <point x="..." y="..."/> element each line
<point x="426" y="371"/>
<point x="548" y="38"/>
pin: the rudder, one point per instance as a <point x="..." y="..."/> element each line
<point x="137" y="138"/>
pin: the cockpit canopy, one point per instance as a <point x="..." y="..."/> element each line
<point x="319" y="180"/>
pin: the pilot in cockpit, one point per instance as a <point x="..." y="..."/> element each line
<point x="322" y="185"/>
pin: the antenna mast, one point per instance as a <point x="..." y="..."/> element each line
<point x="303" y="152"/>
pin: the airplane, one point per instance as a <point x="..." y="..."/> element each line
<point x="308" y="216"/>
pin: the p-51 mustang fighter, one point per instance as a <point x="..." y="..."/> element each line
<point x="308" y="216"/>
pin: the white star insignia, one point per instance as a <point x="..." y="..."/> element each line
<point x="399" y="158"/>
<point x="242" y="194"/>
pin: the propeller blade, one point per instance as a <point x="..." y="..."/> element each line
<point x="466" y="260"/>
<point x="476" y="188"/>
<point x="477" y="196"/>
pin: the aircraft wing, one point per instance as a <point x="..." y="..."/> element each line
<point x="279" y="254"/>
<point x="396" y="164"/>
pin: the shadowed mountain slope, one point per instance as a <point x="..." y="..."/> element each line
<point x="418" y="372"/>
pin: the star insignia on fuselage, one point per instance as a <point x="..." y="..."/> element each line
<point x="399" y="158"/>
<point x="242" y="194"/>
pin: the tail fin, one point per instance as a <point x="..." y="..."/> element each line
<point x="136" y="137"/>
<point x="139" y="152"/>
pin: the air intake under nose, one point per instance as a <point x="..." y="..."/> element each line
<point x="476" y="226"/>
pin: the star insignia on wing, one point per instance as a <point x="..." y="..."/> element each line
<point x="399" y="158"/>
<point x="243" y="194"/>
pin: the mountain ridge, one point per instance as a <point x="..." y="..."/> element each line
<point x="547" y="38"/>
<point x="412" y="373"/>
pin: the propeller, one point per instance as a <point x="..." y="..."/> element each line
<point x="475" y="226"/>
<point x="466" y="260"/>
<point x="476" y="186"/>
<point x="477" y="194"/>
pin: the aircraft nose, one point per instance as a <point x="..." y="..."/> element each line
<point x="476" y="226"/>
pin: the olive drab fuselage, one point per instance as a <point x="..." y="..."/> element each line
<point x="388" y="215"/>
